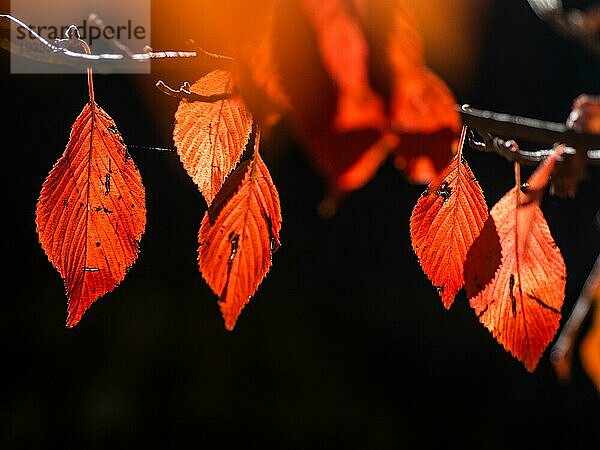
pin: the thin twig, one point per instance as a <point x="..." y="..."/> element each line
<point x="510" y="150"/>
<point x="534" y="130"/>
<point x="56" y="49"/>
<point x="55" y="54"/>
<point x="116" y="43"/>
<point x="490" y="125"/>
<point x="147" y="147"/>
<point x="563" y="349"/>
<point x="184" y="93"/>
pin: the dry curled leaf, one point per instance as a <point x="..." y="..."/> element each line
<point x="515" y="275"/>
<point x="444" y="224"/>
<point x="91" y="213"/>
<point x="239" y="232"/>
<point x="211" y="137"/>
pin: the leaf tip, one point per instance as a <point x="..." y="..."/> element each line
<point x="531" y="363"/>
<point x="446" y="296"/>
<point x="72" y="320"/>
<point x="447" y="302"/>
<point x="229" y="316"/>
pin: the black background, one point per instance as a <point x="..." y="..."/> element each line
<point x="346" y="344"/>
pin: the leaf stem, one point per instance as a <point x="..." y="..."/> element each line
<point x="461" y="140"/>
<point x="73" y="38"/>
<point x="255" y="153"/>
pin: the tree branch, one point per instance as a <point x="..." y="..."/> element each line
<point x="491" y="125"/>
<point x="54" y="53"/>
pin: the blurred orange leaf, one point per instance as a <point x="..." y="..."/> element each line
<point x="261" y="82"/>
<point x="359" y="90"/>
<point x="345" y="54"/>
<point x="422" y="106"/>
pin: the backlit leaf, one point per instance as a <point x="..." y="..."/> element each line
<point x="211" y="137"/>
<point x="515" y="275"/>
<point x="239" y="232"/>
<point x="91" y="213"/>
<point x="445" y="222"/>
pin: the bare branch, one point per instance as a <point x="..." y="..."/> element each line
<point x="491" y="125"/>
<point x="510" y="150"/>
<point x="563" y="349"/>
<point x="184" y="93"/>
<point x="54" y="53"/>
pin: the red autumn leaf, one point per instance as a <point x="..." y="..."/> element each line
<point x="515" y="275"/>
<point x="211" y="137"/>
<point x="345" y="54"/>
<point x="239" y="232"/>
<point x="445" y="222"/>
<point x="91" y="213"/>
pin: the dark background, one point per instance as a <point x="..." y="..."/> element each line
<point x="346" y="344"/>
